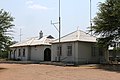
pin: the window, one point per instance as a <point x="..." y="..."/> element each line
<point x="19" y="53"/>
<point x="59" y="51"/>
<point x="95" y="50"/>
<point x="69" y="50"/>
<point x="23" y="52"/>
<point x="101" y="52"/>
<point x="11" y="51"/>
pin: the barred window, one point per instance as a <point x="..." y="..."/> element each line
<point x="94" y="50"/>
<point x="59" y="51"/>
<point x="23" y="52"/>
<point x="69" y="50"/>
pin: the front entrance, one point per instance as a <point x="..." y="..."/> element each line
<point x="47" y="54"/>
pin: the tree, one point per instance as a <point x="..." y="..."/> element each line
<point x="107" y="23"/>
<point x="5" y="29"/>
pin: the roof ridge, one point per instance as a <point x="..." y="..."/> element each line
<point x="88" y="33"/>
<point x="44" y="39"/>
<point x="67" y="34"/>
<point x="32" y="41"/>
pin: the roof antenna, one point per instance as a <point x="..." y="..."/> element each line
<point x="90" y="17"/>
<point x="59" y="30"/>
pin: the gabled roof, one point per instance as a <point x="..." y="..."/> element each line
<point x="46" y="40"/>
<point x="77" y="36"/>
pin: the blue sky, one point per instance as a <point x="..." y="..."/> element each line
<point x="35" y="15"/>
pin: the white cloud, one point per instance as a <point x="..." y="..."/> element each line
<point x="29" y="2"/>
<point x="38" y="7"/>
<point x="31" y="5"/>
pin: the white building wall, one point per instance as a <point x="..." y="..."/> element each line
<point x="85" y="53"/>
<point x="37" y="52"/>
<point x="76" y="49"/>
<point x="81" y="53"/>
<point x="11" y="54"/>
<point x="64" y="57"/>
<point x="54" y="52"/>
<point x="21" y="57"/>
<point x="15" y="53"/>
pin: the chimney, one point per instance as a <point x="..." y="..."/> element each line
<point x="40" y="34"/>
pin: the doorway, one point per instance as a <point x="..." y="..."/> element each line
<point x="47" y="54"/>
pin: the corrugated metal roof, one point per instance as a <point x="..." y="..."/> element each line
<point x="34" y="41"/>
<point x="77" y="36"/>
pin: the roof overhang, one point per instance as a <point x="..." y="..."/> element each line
<point x="74" y="41"/>
<point x="30" y="45"/>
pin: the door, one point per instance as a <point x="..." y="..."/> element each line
<point x="47" y="54"/>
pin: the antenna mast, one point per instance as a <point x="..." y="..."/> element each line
<point x="60" y="47"/>
<point x="90" y="18"/>
<point x="59" y="30"/>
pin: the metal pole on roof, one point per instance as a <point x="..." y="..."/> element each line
<point x="90" y="17"/>
<point x="59" y="31"/>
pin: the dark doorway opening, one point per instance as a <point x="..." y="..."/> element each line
<point x="47" y="54"/>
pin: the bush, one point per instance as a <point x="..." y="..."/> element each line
<point x="4" y="54"/>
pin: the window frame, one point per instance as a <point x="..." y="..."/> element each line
<point x="94" y="51"/>
<point x="23" y="52"/>
<point x="69" y="50"/>
<point x="58" y="50"/>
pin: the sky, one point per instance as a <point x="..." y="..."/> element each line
<point x="32" y="16"/>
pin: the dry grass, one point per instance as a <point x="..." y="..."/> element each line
<point x="51" y="72"/>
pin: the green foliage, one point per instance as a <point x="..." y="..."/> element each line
<point x="4" y="54"/>
<point x="5" y="30"/>
<point x="107" y="22"/>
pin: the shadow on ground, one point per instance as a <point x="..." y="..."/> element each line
<point x="2" y="68"/>
<point x="108" y="67"/>
<point x="105" y="67"/>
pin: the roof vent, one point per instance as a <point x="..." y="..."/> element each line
<point x="40" y="34"/>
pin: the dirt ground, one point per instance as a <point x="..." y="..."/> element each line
<point x="51" y="72"/>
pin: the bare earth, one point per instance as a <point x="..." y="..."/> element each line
<point x="51" y="72"/>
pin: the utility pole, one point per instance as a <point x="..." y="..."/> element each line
<point x="59" y="31"/>
<point x="60" y="47"/>
<point x="90" y="17"/>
